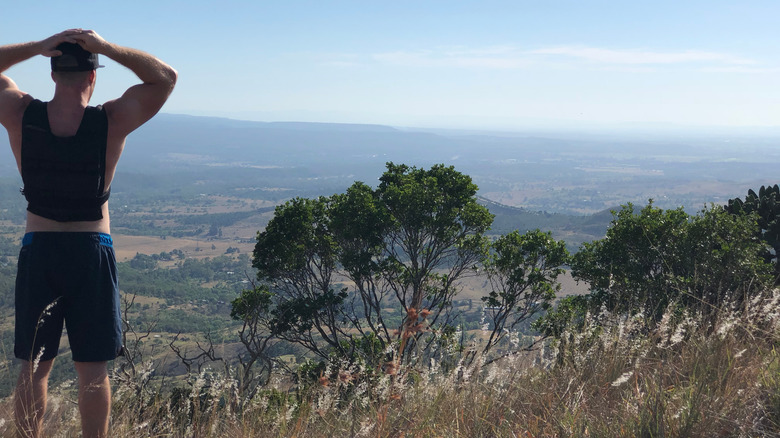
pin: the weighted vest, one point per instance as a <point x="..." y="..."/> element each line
<point x="64" y="177"/>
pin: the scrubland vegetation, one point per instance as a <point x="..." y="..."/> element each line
<point x="678" y="335"/>
<point x="613" y="377"/>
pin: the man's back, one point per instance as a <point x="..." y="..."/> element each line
<point x="65" y="112"/>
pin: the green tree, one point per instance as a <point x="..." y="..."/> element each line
<point x="359" y="224"/>
<point x="766" y="206"/>
<point x="143" y="262"/>
<point x="253" y="309"/>
<point x="635" y="260"/>
<point x="522" y="270"/>
<point x="334" y="263"/>
<point x="653" y="258"/>
<point x="297" y="255"/>
<point x="435" y="234"/>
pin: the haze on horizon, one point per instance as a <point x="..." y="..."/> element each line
<point x="494" y="64"/>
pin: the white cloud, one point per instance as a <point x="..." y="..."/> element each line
<point x="738" y="69"/>
<point x="632" y="56"/>
<point x="509" y="57"/>
<point x="492" y="57"/>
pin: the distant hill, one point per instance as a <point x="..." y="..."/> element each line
<point x="168" y="140"/>
<point x="574" y="229"/>
<point x="171" y="140"/>
<point x="563" y="172"/>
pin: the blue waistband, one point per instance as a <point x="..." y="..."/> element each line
<point x="102" y="238"/>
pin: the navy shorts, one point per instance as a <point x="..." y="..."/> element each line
<point x="68" y="277"/>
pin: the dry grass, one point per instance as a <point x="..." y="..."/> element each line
<point x="616" y="380"/>
<point x="128" y="246"/>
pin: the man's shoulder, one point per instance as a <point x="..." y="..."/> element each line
<point x="13" y="105"/>
<point x="125" y="115"/>
<point x="110" y="108"/>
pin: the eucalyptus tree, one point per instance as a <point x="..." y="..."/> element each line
<point x="765" y="205"/>
<point x="653" y="258"/>
<point x="297" y="256"/>
<point x="522" y="270"/>
<point x="338" y="266"/>
<point x="252" y="308"/>
<point x="435" y="235"/>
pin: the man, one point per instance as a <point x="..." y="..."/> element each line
<point x="67" y="152"/>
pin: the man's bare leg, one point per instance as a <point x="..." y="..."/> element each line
<point x="94" y="398"/>
<point x="30" y="397"/>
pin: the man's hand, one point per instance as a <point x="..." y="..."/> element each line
<point x="13" y="54"/>
<point x="48" y="47"/>
<point x="90" y="41"/>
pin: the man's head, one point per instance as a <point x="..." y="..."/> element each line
<point x="75" y="67"/>
<point x="74" y="58"/>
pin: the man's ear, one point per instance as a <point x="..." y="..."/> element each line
<point x="92" y="76"/>
<point x="52" y="78"/>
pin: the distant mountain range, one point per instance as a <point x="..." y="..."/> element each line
<point x="563" y="172"/>
<point x="170" y="140"/>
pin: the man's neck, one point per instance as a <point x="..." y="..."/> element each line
<point x="66" y="110"/>
<point x="70" y="98"/>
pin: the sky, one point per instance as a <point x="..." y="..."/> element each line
<point x="486" y="64"/>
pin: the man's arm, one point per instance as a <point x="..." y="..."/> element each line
<point x="140" y="102"/>
<point x="12" y="100"/>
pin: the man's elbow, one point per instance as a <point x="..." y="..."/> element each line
<point x="6" y="83"/>
<point x="171" y="76"/>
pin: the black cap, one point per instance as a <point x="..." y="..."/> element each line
<point x="74" y="58"/>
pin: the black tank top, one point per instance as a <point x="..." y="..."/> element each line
<point x="64" y="177"/>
